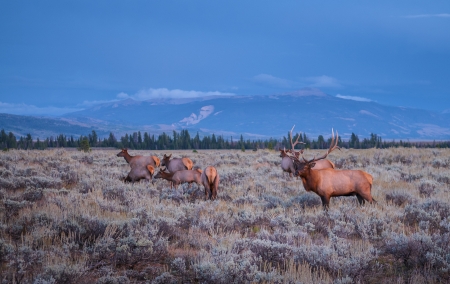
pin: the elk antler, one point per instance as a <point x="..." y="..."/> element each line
<point x="295" y="153"/>
<point x="331" y="149"/>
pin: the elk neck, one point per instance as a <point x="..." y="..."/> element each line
<point x="309" y="179"/>
<point x="128" y="157"/>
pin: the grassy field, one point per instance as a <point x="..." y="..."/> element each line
<point x="67" y="217"/>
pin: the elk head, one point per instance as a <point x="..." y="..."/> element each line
<point x="165" y="160"/>
<point x="303" y="166"/>
<point x="123" y="153"/>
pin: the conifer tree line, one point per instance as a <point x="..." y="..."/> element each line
<point x="183" y="140"/>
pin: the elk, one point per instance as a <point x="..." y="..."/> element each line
<point x="138" y="160"/>
<point x="329" y="182"/>
<point x="176" y="164"/>
<point x="287" y="164"/>
<point x="178" y="177"/>
<point x="210" y="180"/>
<point x="138" y="172"/>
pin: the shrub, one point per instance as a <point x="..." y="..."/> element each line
<point x="399" y="198"/>
<point x="427" y="187"/>
<point x="306" y="200"/>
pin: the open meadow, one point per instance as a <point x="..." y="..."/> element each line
<point x="67" y="217"/>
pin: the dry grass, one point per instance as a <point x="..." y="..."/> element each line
<point x="66" y="217"/>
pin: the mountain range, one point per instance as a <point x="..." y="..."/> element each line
<point x="310" y="110"/>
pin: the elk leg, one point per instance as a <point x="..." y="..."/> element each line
<point x="214" y="193"/>
<point x="207" y="190"/>
<point x="325" y="202"/>
<point x="360" y="199"/>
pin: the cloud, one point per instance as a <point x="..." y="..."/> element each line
<point x="194" y="119"/>
<point x="122" y="95"/>
<point x="443" y="15"/>
<point x="359" y="99"/>
<point x="323" y="82"/>
<point x="163" y="93"/>
<point x="270" y="80"/>
<point x="24" y="109"/>
<point x="93" y="103"/>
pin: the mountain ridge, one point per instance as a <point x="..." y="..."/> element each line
<point x="312" y="111"/>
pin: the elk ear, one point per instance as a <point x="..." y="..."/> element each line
<point x="151" y="169"/>
<point x="169" y="156"/>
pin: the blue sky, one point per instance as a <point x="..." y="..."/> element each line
<point x="59" y="56"/>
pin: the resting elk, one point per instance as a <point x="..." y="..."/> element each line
<point x="140" y="172"/>
<point x="287" y="164"/>
<point x="139" y="160"/>
<point x="176" y="164"/>
<point x="210" y="180"/>
<point x="329" y="182"/>
<point x="179" y="177"/>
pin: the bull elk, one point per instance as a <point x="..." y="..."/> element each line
<point x="176" y="164"/>
<point x="287" y="164"/>
<point x="329" y="182"/>
<point x="210" y="180"/>
<point x="138" y="160"/>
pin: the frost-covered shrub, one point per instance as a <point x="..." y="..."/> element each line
<point x="272" y="201"/>
<point x="62" y="274"/>
<point x="268" y="251"/>
<point x="438" y="163"/>
<point x="13" y="207"/>
<point x="306" y="200"/>
<point x="116" y="192"/>
<point x="113" y="280"/>
<point x="427" y="187"/>
<point x="399" y="197"/>
<point x="33" y="194"/>
<point x="411" y="251"/>
<point x="165" y="278"/>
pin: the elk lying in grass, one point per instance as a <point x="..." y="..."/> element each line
<point x="140" y="172"/>
<point x="330" y="182"/>
<point x="138" y="160"/>
<point x="176" y="164"/>
<point x="210" y="180"/>
<point x="180" y="177"/>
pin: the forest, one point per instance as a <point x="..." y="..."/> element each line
<point x="184" y="141"/>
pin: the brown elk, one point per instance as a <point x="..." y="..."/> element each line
<point x="138" y="160"/>
<point x="176" y="164"/>
<point x="138" y="172"/>
<point x="179" y="177"/>
<point x="210" y="180"/>
<point x="329" y="182"/>
<point x="287" y="164"/>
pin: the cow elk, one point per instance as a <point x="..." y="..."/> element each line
<point x="138" y="172"/>
<point x="210" y="180"/>
<point x="176" y="164"/>
<point x="329" y="182"/>
<point x="138" y="160"/>
<point x="179" y="177"/>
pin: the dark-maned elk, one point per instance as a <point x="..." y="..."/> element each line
<point x="140" y="172"/>
<point x="180" y="177"/>
<point x="330" y="182"/>
<point x="287" y="164"/>
<point x="138" y="160"/>
<point x="176" y="164"/>
<point x="210" y="180"/>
